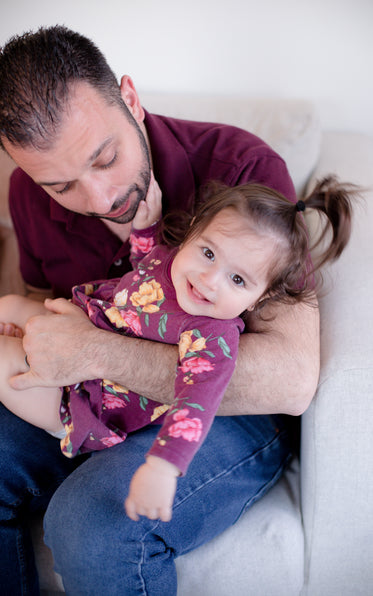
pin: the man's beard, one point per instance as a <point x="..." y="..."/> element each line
<point x="140" y="193"/>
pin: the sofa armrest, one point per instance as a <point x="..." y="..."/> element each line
<point x="337" y="446"/>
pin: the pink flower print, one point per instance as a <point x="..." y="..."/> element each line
<point x="110" y="402"/>
<point x="196" y="365"/>
<point x="189" y="429"/>
<point x="112" y="440"/>
<point x="141" y="244"/>
<point x="133" y="321"/>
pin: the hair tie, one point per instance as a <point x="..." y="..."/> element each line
<point x="300" y="206"/>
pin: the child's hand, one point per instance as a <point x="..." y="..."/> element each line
<point x="150" y="210"/>
<point x="152" y="490"/>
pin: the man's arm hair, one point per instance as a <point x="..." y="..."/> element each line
<point x="277" y="368"/>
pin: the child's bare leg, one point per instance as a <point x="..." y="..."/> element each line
<point x="39" y="405"/>
<point x="17" y="310"/>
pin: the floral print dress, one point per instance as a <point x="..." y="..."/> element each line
<point x="98" y="414"/>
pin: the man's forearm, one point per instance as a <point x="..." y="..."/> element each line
<point x="145" y="367"/>
<point x="277" y="368"/>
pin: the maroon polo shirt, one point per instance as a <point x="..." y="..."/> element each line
<point x="60" y="248"/>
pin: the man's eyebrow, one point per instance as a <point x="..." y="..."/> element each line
<point x="100" y="149"/>
<point x="90" y="160"/>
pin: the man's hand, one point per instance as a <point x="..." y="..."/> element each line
<point x="59" y="347"/>
<point x="152" y="490"/>
<point x="150" y="210"/>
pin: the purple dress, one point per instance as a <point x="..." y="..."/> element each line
<point x="99" y="413"/>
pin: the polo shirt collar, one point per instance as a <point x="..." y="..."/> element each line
<point x="171" y="163"/>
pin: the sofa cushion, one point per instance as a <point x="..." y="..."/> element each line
<point x="290" y="127"/>
<point x="263" y="553"/>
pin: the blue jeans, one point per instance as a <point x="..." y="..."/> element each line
<point x="99" y="550"/>
<point x="32" y="467"/>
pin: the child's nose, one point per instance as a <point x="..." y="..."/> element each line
<point x="210" y="279"/>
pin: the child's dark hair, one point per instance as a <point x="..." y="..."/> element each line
<point x="292" y="274"/>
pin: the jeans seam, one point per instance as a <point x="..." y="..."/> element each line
<point x="242" y="462"/>
<point x="21" y="561"/>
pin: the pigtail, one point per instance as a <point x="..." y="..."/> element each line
<point x="300" y="277"/>
<point x="332" y="200"/>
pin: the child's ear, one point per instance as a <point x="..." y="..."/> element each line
<point x="259" y="302"/>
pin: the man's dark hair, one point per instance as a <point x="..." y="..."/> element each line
<point x="37" y="70"/>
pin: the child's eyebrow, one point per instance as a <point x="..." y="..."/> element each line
<point x="241" y="271"/>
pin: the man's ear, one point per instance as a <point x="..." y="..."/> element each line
<point x="131" y="99"/>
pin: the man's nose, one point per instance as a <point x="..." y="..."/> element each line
<point x="99" y="196"/>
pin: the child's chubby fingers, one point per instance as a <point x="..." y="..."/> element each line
<point x="131" y="509"/>
<point x="165" y="514"/>
<point x="154" y="196"/>
<point x="135" y="511"/>
<point x="149" y="210"/>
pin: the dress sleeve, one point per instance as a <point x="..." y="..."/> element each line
<point x="142" y="242"/>
<point x="207" y="357"/>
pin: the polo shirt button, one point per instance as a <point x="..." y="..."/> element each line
<point x="118" y="262"/>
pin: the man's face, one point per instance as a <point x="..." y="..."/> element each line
<point x="99" y="164"/>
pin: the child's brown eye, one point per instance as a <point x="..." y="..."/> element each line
<point x="237" y="279"/>
<point x="208" y="253"/>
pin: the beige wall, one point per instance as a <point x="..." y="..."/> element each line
<point x="318" y="49"/>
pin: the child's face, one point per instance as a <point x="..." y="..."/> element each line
<point x="224" y="270"/>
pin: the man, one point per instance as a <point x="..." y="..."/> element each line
<point x="85" y="147"/>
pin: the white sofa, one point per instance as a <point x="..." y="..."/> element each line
<point x="312" y="535"/>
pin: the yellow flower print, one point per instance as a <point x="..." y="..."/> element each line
<point x="149" y="291"/>
<point x="187" y="345"/>
<point x="88" y="289"/>
<point x="199" y="344"/>
<point x="114" y="317"/>
<point x="120" y="298"/>
<point x="150" y="308"/>
<point x="118" y="388"/>
<point x="158" y="411"/>
<point x="65" y="442"/>
<point x="184" y="343"/>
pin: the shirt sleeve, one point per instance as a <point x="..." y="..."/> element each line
<point x="207" y="357"/>
<point x="142" y="243"/>
<point x="270" y="170"/>
<point x="21" y="200"/>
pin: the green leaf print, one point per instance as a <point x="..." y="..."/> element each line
<point x="162" y="327"/>
<point x="196" y="406"/>
<point x="143" y="402"/>
<point x="224" y="346"/>
<point x="160" y="302"/>
<point x="197" y="333"/>
<point x="111" y="390"/>
<point x="146" y="319"/>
